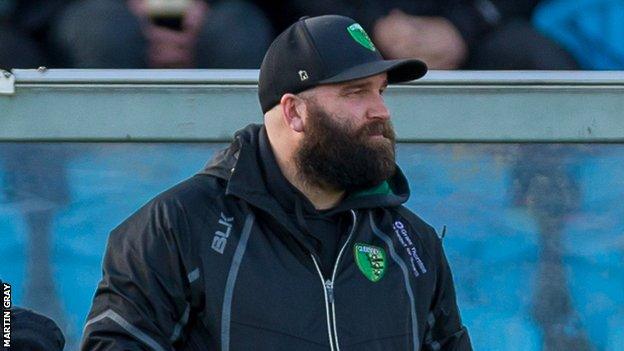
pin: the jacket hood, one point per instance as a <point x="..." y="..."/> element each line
<point x="239" y="166"/>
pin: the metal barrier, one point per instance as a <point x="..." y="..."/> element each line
<point x="209" y="105"/>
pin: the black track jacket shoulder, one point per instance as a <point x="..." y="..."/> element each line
<point x="214" y="263"/>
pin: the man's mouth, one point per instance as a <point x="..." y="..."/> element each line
<point x="376" y="130"/>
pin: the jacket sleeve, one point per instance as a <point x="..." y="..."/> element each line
<point x="444" y="330"/>
<point x="140" y="302"/>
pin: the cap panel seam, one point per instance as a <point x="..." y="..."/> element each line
<point x="273" y="86"/>
<point x="318" y="54"/>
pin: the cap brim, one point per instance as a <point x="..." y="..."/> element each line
<point x="399" y="71"/>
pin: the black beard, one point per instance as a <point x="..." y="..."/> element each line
<point x="338" y="157"/>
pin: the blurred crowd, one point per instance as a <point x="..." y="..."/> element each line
<point x="446" y="34"/>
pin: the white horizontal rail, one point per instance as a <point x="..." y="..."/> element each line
<point x="209" y="105"/>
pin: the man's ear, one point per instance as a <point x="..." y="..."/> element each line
<point x="293" y="110"/>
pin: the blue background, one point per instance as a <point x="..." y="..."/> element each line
<point x="534" y="232"/>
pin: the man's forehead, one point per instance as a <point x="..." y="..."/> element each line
<point x="378" y="80"/>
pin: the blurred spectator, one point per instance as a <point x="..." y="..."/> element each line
<point x="35" y="181"/>
<point x="544" y="184"/>
<point x="125" y="34"/>
<point x="24" y="33"/>
<point x="446" y="34"/>
<point x="592" y="30"/>
<point x="31" y="331"/>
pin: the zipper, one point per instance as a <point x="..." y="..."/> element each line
<point x="328" y="291"/>
<point x="326" y="295"/>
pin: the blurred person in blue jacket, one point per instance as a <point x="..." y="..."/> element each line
<point x="592" y="30"/>
<point x="446" y="34"/>
<point x="164" y="34"/>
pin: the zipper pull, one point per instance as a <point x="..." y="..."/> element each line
<point x="329" y="287"/>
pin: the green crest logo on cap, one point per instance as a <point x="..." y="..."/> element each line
<point x="358" y="34"/>
<point x="371" y="260"/>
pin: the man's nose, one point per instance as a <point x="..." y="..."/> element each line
<point x="378" y="109"/>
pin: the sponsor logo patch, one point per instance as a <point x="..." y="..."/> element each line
<point x="418" y="267"/>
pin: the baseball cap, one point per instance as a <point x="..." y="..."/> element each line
<point x="323" y="50"/>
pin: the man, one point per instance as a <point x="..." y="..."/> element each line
<point x="31" y="331"/>
<point x="148" y="34"/>
<point x="294" y="237"/>
<point x="25" y="40"/>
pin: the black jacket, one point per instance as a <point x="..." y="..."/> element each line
<point x="33" y="332"/>
<point x="215" y="264"/>
<point x="31" y="16"/>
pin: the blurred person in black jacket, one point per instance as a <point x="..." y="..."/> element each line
<point x="25" y="40"/>
<point x="128" y="34"/>
<point x="31" y="331"/>
<point x="446" y="34"/>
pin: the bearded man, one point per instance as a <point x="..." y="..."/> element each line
<point x="294" y="237"/>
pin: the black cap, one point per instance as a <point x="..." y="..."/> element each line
<point x="322" y="50"/>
